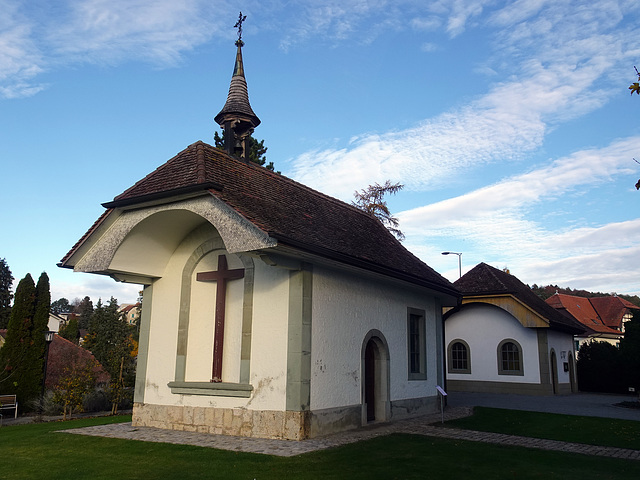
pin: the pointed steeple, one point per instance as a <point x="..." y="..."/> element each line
<point x="236" y="117"/>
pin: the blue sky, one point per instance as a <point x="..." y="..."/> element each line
<point x="509" y="123"/>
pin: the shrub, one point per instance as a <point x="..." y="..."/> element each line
<point x="600" y="368"/>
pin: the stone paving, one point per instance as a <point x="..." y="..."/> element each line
<point x="427" y="425"/>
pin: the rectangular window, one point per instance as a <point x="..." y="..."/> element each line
<point x="416" y="348"/>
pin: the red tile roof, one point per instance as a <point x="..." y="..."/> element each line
<point x="484" y="280"/>
<point x="612" y="309"/>
<point x="288" y="211"/>
<point x="582" y="309"/>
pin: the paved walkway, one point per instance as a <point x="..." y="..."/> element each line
<point x="427" y="425"/>
<point x="586" y="404"/>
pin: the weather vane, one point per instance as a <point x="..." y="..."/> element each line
<point x="238" y="25"/>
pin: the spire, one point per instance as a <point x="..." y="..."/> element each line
<point x="236" y="117"/>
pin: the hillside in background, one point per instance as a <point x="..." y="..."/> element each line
<point x="547" y="291"/>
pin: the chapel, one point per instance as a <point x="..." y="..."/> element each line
<point x="269" y="309"/>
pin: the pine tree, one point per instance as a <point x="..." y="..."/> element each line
<point x="6" y="280"/>
<point x="255" y="150"/>
<point x="70" y="331"/>
<point x="61" y="305"/>
<point x="84" y="309"/>
<point x="110" y="341"/>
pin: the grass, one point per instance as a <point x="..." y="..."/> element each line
<point x="37" y="451"/>
<point x="608" y="432"/>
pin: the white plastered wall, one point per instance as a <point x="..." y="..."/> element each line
<point x="561" y="342"/>
<point x="345" y="308"/>
<point x="269" y="331"/>
<point x="483" y="327"/>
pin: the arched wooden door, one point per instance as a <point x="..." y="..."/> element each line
<point x="375" y="376"/>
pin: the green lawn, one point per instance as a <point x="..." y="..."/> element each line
<point x="37" y="451"/>
<point x="608" y="432"/>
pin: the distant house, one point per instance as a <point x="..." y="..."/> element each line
<point x="129" y="312"/>
<point x="3" y="336"/>
<point x="55" y="322"/>
<point x="603" y="318"/>
<point x="506" y="339"/>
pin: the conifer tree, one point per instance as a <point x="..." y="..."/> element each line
<point x="372" y="201"/>
<point x="85" y="310"/>
<point x="110" y="341"/>
<point x="255" y="150"/>
<point x="6" y="280"/>
<point x="22" y="357"/>
<point x="15" y="359"/>
<point x="70" y="331"/>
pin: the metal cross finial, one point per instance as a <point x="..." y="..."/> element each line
<point x="238" y="25"/>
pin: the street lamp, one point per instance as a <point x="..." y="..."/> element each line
<point x="48" y="338"/>
<point x="459" y="260"/>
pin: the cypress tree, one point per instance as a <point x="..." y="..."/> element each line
<point x="14" y="355"/>
<point x="40" y="326"/>
<point x="6" y="280"/>
<point x="22" y="357"/>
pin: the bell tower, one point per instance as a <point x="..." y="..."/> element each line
<point x="236" y="117"/>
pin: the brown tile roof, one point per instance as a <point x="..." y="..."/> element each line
<point x="63" y="354"/>
<point x="486" y="280"/>
<point x="292" y="213"/>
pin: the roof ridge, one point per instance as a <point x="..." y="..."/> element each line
<point x="290" y="180"/>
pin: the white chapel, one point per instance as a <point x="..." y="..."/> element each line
<point x="269" y="309"/>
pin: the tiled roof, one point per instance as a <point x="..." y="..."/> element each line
<point x="599" y="314"/>
<point x="292" y="213"/>
<point x="486" y="280"/>
<point x="612" y="309"/>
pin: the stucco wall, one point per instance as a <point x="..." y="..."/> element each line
<point x="268" y="333"/>
<point x="345" y="308"/>
<point x="483" y="327"/>
<point x="562" y="344"/>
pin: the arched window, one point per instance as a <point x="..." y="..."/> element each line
<point x="459" y="357"/>
<point x="510" y="358"/>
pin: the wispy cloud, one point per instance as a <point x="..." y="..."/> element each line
<point x="560" y="61"/>
<point x="112" y="30"/>
<point x="20" y="60"/>
<point x="39" y="37"/>
<point x="495" y="223"/>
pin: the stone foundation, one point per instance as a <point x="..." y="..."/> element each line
<point x="269" y="423"/>
<point x="224" y="421"/>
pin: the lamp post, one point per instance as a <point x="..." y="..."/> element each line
<point x="459" y="260"/>
<point x="48" y="338"/>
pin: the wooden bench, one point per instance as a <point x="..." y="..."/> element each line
<point x="9" y="402"/>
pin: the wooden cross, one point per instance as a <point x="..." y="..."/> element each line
<point x="220" y="276"/>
